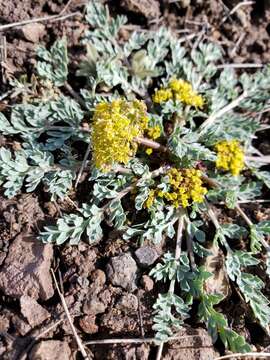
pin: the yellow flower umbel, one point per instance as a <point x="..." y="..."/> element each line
<point x="162" y="95"/>
<point x="115" y="125"/>
<point x="230" y="156"/>
<point x="181" y="90"/>
<point x="186" y="187"/>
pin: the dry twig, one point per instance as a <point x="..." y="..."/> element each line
<point x="37" y="20"/>
<point x="236" y="8"/>
<point x="244" y="355"/>
<point x="77" y="338"/>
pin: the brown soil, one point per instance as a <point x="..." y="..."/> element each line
<point x="100" y="306"/>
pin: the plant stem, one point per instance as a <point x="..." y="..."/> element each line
<point x="259" y="159"/>
<point x="75" y="95"/>
<point x="250" y="224"/>
<point x="152" y="175"/>
<point x="189" y="240"/>
<point x="215" y="221"/>
<point x="177" y="257"/>
<point x="83" y="165"/>
<point x="150" y="143"/>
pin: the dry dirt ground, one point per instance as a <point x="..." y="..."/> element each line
<point x="106" y="287"/>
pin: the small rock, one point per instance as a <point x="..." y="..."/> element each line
<point x="122" y="271"/>
<point x="105" y="297"/>
<point x="146" y="256"/>
<point x="51" y="350"/>
<point x="87" y="324"/>
<point x="21" y="326"/>
<point x="143" y="352"/>
<point x="184" y="3"/>
<point x="94" y="306"/>
<point x="128" y="303"/>
<point x="149" y="8"/>
<point x="115" y="322"/>
<point x="26" y="270"/>
<point x="147" y="283"/>
<point x="32" y="311"/>
<point x="192" y="344"/>
<point x="4" y="324"/>
<point x="99" y="278"/>
<point x="33" y="32"/>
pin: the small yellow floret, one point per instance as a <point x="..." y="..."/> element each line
<point x="149" y="151"/>
<point x="151" y="197"/>
<point x="230" y="156"/>
<point x="115" y="125"/>
<point x="154" y="132"/>
<point x="162" y="95"/>
<point x="181" y="90"/>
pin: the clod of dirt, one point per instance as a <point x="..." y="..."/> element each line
<point x="146" y="256"/>
<point x="87" y="324"/>
<point x="98" y="298"/>
<point x="147" y="283"/>
<point x="21" y="213"/>
<point x="32" y="311"/>
<point x="99" y="278"/>
<point x="4" y="324"/>
<point x="149" y="8"/>
<point x="17" y="10"/>
<point x="26" y="270"/>
<point x="94" y="306"/>
<point x="51" y="350"/>
<point x="116" y="322"/>
<point x="22" y="327"/>
<point x="33" y="32"/>
<point x="122" y="271"/>
<point x="80" y="255"/>
<point x="198" y="346"/>
<point x="128" y="303"/>
<point x="130" y="352"/>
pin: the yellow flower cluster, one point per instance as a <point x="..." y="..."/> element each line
<point x="153" y="133"/>
<point x="151" y="198"/>
<point x="186" y="187"/>
<point x="115" y="125"/>
<point x="162" y="95"/>
<point x="181" y="90"/>
<point x="230" y="156"/>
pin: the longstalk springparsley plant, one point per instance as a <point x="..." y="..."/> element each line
<point x="168" y="130"/>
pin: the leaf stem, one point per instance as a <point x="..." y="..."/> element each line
<point x="212" y="118"/>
